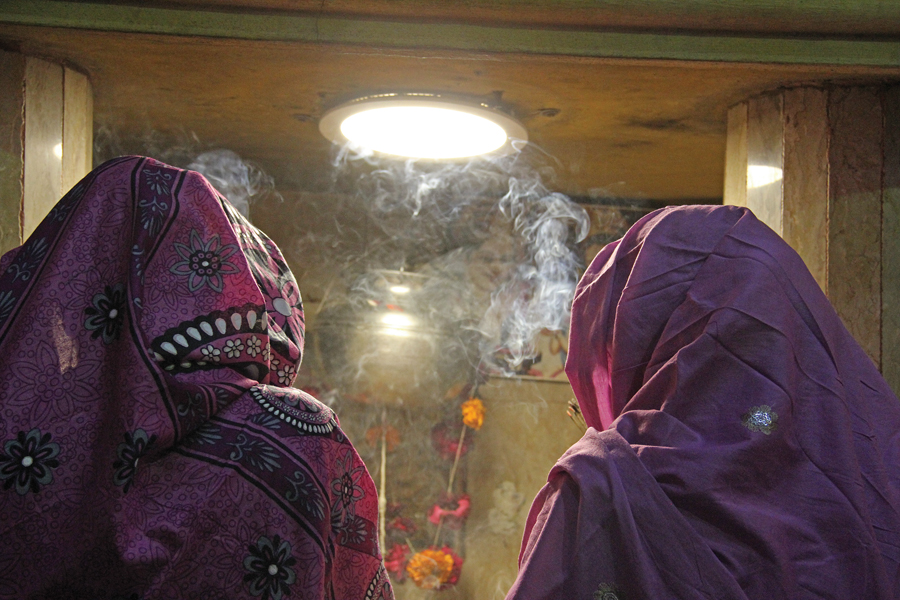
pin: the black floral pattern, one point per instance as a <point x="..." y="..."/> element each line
<point x="153" y="211"/>
<point x="129" y="453"/>
<point x="206" y="433"/>
<point x="305" y="493"/>
<point x="269" y="568"/>
<point x="204" y="263"/>
<point x="158" y="181"/>
<point x="353" y="531"/>
<point x="7" y="301"/>
<point x="266" y="420"/>
<point x="347" y="488"/>
<point x="28" y="462"/>
<point x="255" y="451"/>
<point x="28" y="259"/>
<point x="106" y="313"/>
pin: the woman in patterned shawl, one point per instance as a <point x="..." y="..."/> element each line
<point x="741" y="443"/>
<point x="150" y="444"/>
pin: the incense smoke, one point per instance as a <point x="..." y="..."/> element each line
<point x="496" y="244"/>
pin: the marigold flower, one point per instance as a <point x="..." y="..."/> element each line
<point x="434" y="569"/>
<point x="473" y="413"/>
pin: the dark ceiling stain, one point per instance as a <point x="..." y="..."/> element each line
<point x="624" y="144"/>
<point x="660" y="124"/>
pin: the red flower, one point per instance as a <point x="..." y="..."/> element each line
<point x="395" y="561"/>
<point x="453" y="517"/>
<point x="446" y="440"/>
<point x="457" y="567"/>
<point x="403" y="524"/>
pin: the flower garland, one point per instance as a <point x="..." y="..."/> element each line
<point x="436" y="568"/>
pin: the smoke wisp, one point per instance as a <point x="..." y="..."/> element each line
<point x="496" y="244"/>
<point x="241" y="182"/>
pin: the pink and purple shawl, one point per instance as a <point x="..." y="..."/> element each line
<point x="150" y="446"/>
<point x="742" y="445"/>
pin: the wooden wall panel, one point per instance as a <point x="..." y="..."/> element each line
<point x="854" y="229"/>
<point x="890" y="242"/>
<point x="736" y="157"/>
<point x="805" y="184"/>
<point x="78" y="128"/>
<point x="12" y="109"/>
<point x="43" y="140"/>
<point x="765" y="150"/>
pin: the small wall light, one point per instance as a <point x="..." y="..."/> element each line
<point x="429" y="126"/>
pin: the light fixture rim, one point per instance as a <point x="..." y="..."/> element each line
<point x="330" y="123"/>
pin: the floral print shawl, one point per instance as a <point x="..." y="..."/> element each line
<point x="150" y="444"/>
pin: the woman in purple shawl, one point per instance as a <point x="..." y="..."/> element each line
<point x="741" y="444"/>
<point x="150" y="444"/>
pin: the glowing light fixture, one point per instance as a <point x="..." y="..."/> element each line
<point x="429" y="126"/>
<point x="397" y="320"/>
<point x="57" y="150"/>
<point x="761" y="175"/>
<point x="400" y="289"/>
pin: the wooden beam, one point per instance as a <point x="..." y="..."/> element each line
<point x="449" y="36"/>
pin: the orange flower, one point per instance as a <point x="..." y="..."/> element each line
<point x="430" y="569"/>
<point x="473" y="413"/>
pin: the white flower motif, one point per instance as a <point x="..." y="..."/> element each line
<point x="286" y="375"/>
<point x="233" y="348"/>
<point x="253" y="346"/>
<point x="211" y="353"/>
<point x="267" y="354"/>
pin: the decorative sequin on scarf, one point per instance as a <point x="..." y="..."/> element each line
<point x="761" y="418"/>
<point x="607" y="592"/>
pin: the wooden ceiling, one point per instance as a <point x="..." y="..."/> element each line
<point x="210" y="72"/>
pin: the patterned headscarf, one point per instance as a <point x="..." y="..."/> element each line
<point x="144" y="446"/>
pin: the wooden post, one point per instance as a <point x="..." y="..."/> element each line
<point x="46" y="140"/>
<point x="836" y="200"/>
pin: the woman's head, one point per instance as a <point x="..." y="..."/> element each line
<point x="152" y="297"/>
<point x="685" y="287"/>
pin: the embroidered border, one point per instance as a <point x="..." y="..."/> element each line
<point x="297" y="408"/>
<point x="171" y="348"/>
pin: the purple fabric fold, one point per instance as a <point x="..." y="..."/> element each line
<point x="150" y="443"/>
<point x="750" y="446"/>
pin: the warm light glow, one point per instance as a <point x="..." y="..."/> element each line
<point x="422" y="125"/>
<point x="400" y="289"/>
<point x="397" y="320"/>
<point x="395" y="332"/>
<point x="57" y="150"/>
<point x="761" y="175"/>
<point x="423" y="132"/>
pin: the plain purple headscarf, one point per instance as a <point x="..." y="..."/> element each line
<point x="742" y="445"/>
<point x="149" y="444"/>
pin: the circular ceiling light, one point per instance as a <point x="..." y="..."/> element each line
<point x="427" y="126"/>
